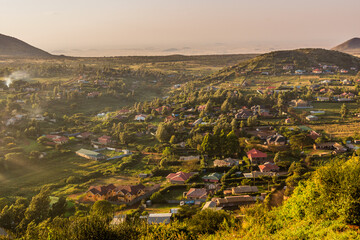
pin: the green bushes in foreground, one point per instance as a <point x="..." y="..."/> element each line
<point x="326" y="206"/>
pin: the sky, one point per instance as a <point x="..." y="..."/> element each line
<point x="162" y="27"/>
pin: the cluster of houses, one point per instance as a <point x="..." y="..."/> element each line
<point x="127" y="194"/>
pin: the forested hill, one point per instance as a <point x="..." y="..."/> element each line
<point x="13" y="47"/>
<point x="280" y="62"/>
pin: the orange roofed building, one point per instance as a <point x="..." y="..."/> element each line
<point x="256" y="156"/>
<point x="179" y="177"/>
<point x="114" y="193"/>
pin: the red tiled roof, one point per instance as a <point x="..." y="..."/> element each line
<point x="256" y="154"/>
<point x="268" y="167"/>
<point x="197" y="193"/>
<point x="179" y="176"/>
<point x="84" y="134"/>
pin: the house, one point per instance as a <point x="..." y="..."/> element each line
<point x="261" y="111"/>
<point x="197" y="122"/>
<point x="190" y="158"/>
<point x="318" y="112"/>
<point x="38" y="117"/>
<point x="117" y="220"/>
<point x="90" y="154"/>
<point x="299" y="72"/>
<point x="96" y="193"/>
<point x="10" y="121"/>
<point x="140" y="117"/>
<point x="105" y="140"/>
<point x="127" y="193"/>
<point x="317" y="71"/>
<point x="201" y="108"/>
<point x="227" y="162"/>
<point x="335" y="147"/>
<point x="346" y="82"/>
<point x="93" y="94"/>
<point x="145" y="175"/>
<point x="347" y="95"/>
<point x="299" y="103"/>
<point x="234" y="201"/>
<point x="288" y="67"/>
<point x="314" y="135"/>
<point x="263" y="132"/>
<point x="324" y="146"/>
<point x="312" y="118"/>
<point x="256" y="156"/>
<point x="170" y="119"/>
<point x="57" y="139"/>
<point x="268" y="167"/>
<point x="84" y="135"/>
<point x="210" y="205"/>
<point x="213" y="177"/>
<point x="244" y="114"/>
<point x="161" y="109"/>
<point x="179" y="177"/>
<point x="123" y="111"/>
<point x="338" y="148"/>
<point x="256" y="174"/>
<point x="276" y="139"/>
<point x="244" y="189"/>
<point x="340" y="99"/>
<point x="157" y="218"/>
<point x="288" y="121"/>
<point x="197" y="194"/>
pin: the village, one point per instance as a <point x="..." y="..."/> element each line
<point x="214" y="147"/>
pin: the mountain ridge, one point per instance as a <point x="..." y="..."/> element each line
<point x="351" y="45"/>
<point x="13" y="47"/>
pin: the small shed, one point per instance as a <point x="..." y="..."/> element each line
<point x="156" y="218"/>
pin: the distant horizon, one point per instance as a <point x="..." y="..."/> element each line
<point x="162" y="27"/>
<point x="181" y="50"/>
<point x="214" y="49"/>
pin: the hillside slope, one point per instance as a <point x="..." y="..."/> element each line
<point x="277" y="61"/>
<point x="13" y="47"/>
<point x="351" y="46"/>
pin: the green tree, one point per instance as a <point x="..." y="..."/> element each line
<point x="102" y="208"/>
<point x="225" y="107"/>
<point x="344" y="111"/>
<point x="172" y="139"/>
<point x="38" y="209"/>
<point x="208" y="221"/>
<point x="207" y="145"/>
<point x="232" y="144"/>
<point x="162" y="133"/>
<point x="300" y="141"/>
<point x="58" y="208"/>
<point x="208" y="107"/>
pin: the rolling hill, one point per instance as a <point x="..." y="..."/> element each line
<point x="350" y="46"/>
<point x="279" y="62"/>
<point x="13" y="47"/>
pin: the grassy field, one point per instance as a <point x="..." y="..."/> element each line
<point x="53" y="169"/>
<point x="339" y="130"/>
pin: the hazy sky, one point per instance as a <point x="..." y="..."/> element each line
<point x="113" y="27"/>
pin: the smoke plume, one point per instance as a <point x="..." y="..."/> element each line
<point x="17" y="75"/>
